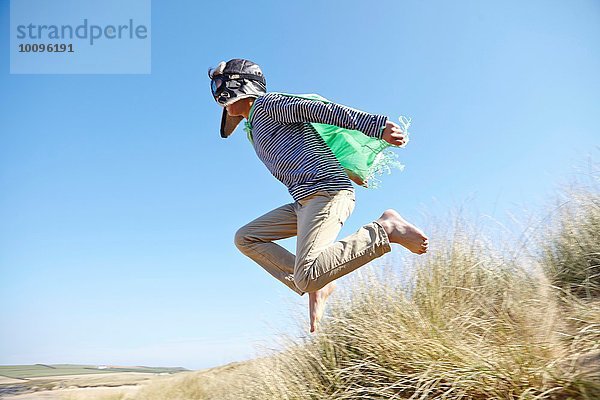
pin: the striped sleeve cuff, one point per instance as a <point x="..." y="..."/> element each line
<point x="373" y="125"/>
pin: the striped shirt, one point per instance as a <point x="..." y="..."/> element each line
<point x="291" y="148"/>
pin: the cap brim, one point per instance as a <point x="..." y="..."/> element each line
<point x="229" y="123"/>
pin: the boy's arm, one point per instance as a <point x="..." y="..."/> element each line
<point x="287" y="109"/>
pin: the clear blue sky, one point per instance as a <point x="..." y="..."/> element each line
<point x="119" y="200"/>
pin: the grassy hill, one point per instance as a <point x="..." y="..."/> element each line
<point x="479" y="318"/>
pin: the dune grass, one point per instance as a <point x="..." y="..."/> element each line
<point x="570" y="249"/>
<point x="474" y="321"/>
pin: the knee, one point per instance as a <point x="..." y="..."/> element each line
<point x="305" y="281"/>
<point x="242" y="239"/>
<point x="302" y="283"/>
<point x="306" y="285"/>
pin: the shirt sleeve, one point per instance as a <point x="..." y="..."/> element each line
<point x="289" y="109"/>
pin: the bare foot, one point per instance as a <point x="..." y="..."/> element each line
<point x="401" y="232"/>
<point x="316" y="304"/>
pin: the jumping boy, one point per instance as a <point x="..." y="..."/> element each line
<point x="279" y="127"/>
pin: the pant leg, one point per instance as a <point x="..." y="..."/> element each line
<point x="255" y="240"/>
<point x="319" y="258"/>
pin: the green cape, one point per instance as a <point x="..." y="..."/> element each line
<point x="363" y="157"/>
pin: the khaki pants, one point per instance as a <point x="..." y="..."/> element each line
<point x="316" y="220"/>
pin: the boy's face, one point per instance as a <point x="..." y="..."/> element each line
<point x="235" y="109"/>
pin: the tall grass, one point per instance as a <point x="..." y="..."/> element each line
<point x="571" y="249"/>
<point x="473" y="322"/>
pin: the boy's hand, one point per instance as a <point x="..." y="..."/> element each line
<point x="393" y="134"/>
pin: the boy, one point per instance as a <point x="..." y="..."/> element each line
<point x="279" y="127"/>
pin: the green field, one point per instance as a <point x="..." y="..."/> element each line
<point x="43" y="370"/>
